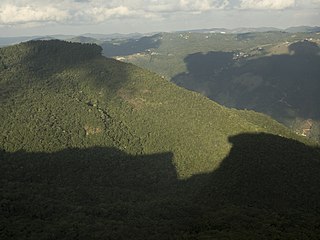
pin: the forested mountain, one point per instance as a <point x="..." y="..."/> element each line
<point x="276" y="73"/>
<point x="93" y="148"/>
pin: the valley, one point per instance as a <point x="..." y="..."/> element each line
<point x="268" y="72"/>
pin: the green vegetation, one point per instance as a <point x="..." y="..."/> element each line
<point x="169" y="50"/>
<point x="275" y="73"/>
<point x="93" y="148"/>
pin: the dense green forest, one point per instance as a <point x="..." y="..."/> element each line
<point x="274" y="72"/>
<point x="93" y="148"/>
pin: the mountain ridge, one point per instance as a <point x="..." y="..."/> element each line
<point x="94" y="148"/>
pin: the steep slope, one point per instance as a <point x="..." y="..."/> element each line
<point x="275" y="73"/>
<point x="284" y="86"/>
<point x="57" y="95"/>
<point x="127" y="154"/>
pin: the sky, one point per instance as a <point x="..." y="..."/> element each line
<point x="75" y="17"/>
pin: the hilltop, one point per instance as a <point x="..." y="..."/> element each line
<point x="128" y="155"/>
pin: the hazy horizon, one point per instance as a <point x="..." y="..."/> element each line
<point x="76" y="17"/>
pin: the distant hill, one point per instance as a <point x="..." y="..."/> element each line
<point x="125" y="47"/>
<point x="93" y="148"/>
<point x="83" y="39"/>
<point x="113" y="36"/>
<point x="270" y="72"/>
<point x="306" y="29"/>
<point x="6" y="41"/>
<point x="234" y="30"/>
<point x="45" y="38"/>
<point x="259" y="29"/>
<point x="298" y="29"/>
<point x="168" y="50"/>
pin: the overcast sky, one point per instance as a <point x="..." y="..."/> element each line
<point x="44" y="17"/>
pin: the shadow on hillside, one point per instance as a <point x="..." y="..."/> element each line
<point x="282" y="86"/>
<point x="130" y="46"/>
<point x="85" y="194"/>
<point x="267" y="171"/>
<point x="103" y="193"/>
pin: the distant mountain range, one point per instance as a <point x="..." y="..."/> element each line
<point x="5" y="41"/>
<point x="306" y="29"/>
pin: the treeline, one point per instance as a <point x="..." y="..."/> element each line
<point x="48" y="53"/>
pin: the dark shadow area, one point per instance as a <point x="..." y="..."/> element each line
<point x="211" y="63"/>
<point x="282" y="86"/>
<point x="96" y="193"/>
<point x="304" y="48"/>
<point x="130" y="46"/>
<point x="268" y="171"/>
<point x="202" y="69"/>
<point x="246" y="36"/>
<point x="268" y="187"/>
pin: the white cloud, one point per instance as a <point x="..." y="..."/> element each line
<point x="11" y="14"/>
<point x="99" y="14"/>
<point x="167" y="6"/>
<point x="308" y="3"/>
<point x="202" y="5"/>
<point x="60" y="11"/>
<point x="267" y="4"/>
<point x="28" y="12"/>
